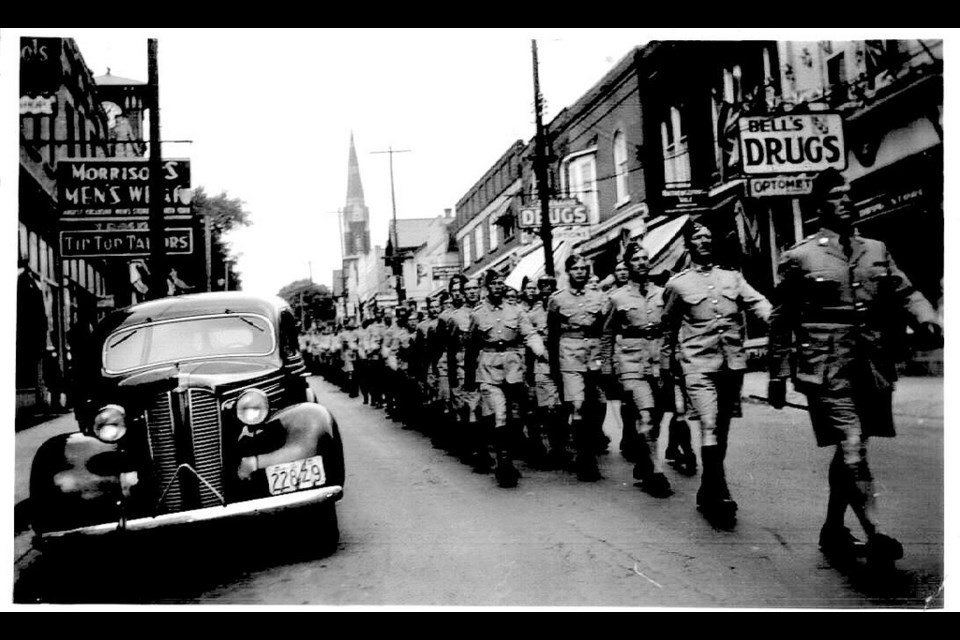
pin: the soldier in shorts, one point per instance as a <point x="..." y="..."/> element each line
<point x="494" y="358"/>
<point x="575" y="329"/>
<point x="465" y="294"/>
<point x="840" y="300"/>
<point x="703" y="322"/>
<point x="633" y="317"/>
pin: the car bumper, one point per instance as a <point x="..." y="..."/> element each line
<point x="236" y="510"/>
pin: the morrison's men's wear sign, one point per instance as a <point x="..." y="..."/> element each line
<point x="792" y="144"/>
<point x="119" y="187"/>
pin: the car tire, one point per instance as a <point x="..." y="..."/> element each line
<point x="328" y="528"/>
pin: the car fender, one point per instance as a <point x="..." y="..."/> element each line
<point x="310" y="430"/>
<point x="75" y="481"/>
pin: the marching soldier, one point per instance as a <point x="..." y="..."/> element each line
<point x="375" y="364"/>
<point x="466" y="401"/>
<point x="396" y="350"/>
<point x="424" y="366"/>
<point x="494" y="359"/>
<point x="575" y="327"/>
<point x="634" y="317"/>
<point x="839" y="298"/>
<point x="703" y="321"/>
<point x="545" y="419"/>
<point x="348" y="353"/>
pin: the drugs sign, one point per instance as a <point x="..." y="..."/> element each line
<point x="562" y="213"/>
<point x="792" y="144"/>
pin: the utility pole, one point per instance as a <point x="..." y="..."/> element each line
<point x="540" y="171"/>
<point x="396" y="259"/>
<point x="343" y="264"/>
<point x="158" y="267"/>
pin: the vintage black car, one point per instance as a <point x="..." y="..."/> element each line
<point x="191" y="408"/>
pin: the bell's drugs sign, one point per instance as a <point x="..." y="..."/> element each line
<point x="792" y="143"/>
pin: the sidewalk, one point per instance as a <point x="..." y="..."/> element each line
<point x="915" y="397"/>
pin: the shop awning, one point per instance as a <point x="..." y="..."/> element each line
<point x="532" y="264"/>
<point x="664" y="243"/>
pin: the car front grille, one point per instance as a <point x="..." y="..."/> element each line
<point x="187" y="454"/>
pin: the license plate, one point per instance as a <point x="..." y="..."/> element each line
<point x="295" y="476"/>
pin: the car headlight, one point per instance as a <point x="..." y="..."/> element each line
<point x="110" y="424"/>
<point x="252" y="407"/>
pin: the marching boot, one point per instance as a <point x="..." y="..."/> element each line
<point x="594" y="415"/>
<point x="481" y="460"/>
<point x="648" y="477"/>
<point x="684" y="460"/>
<point x="628" y="438"/>
<point x="713" y="497"/>
<point x="584" y="439"/>
<point x="559" y="456"/>
<point x="506" y="474"/>
<point x="536" y="448"/>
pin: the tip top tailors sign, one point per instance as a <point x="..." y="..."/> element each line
<point x="120" y="187"/>
<point x="567" y="212"/>
<point x="792" y="144"/>
<point x="89" y="243"/>
<point x="800" y="185"/>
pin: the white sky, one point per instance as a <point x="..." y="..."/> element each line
<point x="270" y="114"/>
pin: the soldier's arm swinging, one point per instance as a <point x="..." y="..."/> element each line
<point x="780" y="344"/>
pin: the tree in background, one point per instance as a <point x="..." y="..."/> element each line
<point x="225" y="215"/>
<point x="312" y="303"/>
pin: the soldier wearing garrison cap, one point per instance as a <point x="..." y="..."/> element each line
<point x="839" y="298"/>
<point x="703" y="323"/>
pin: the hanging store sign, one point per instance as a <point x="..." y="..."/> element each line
<point x="571" y="233"/>
<point x="675" y="199"/>
<point x="568" y="212"/>
<point x="120" y="187"/>
<point x="444" y="271"/>
<point x="780" y="186"/>
<point x="89" y="243"/>
<point x="792" y="144"/>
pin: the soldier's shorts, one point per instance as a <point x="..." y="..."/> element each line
<point x="712" y="393"/>
<point x="545" y="392"/>
<point x="849" y="408"/>
<point x="640" y="391"/>
<point x="498" y="400"/>
<point x="582" y="386"/>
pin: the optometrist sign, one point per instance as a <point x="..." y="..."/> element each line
<point x="801" y="143"/>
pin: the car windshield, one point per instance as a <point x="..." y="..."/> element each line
<point x="188" y="339"/>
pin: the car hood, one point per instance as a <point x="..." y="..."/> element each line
<point x="209" y="374"/>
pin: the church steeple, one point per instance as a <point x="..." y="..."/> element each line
<point x="356" y="216"/>
<point x="354" y="185"/>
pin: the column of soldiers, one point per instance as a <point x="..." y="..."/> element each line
<point x="528" y="375"/>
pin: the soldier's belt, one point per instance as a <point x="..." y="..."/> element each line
<point x="850" y="315"/>
<point x="576" y="334"/>
<point x="648" y="332"/>
<point x="510" y="346"/>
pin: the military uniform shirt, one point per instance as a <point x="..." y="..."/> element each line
<point x="634" y="330"/>
<point x="576" y="328"/>
<point x="498" y="333"/>
<point x="702" y="318"/>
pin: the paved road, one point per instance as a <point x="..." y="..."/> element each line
<point x="418" y="528"/>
